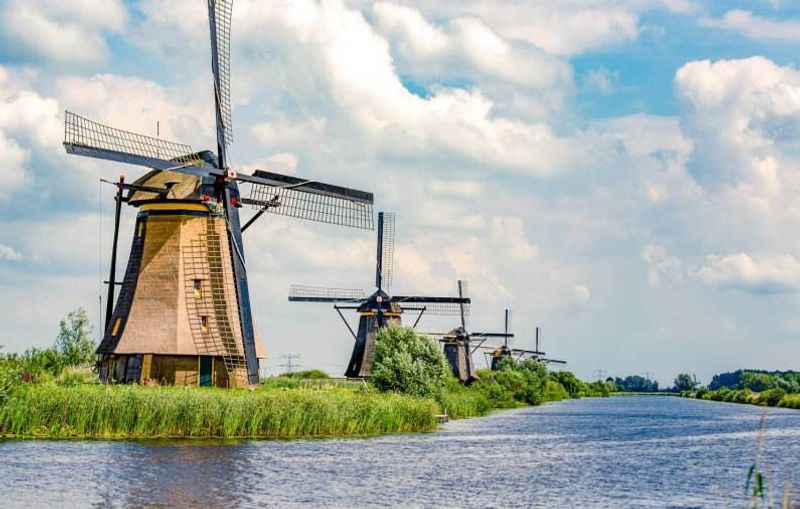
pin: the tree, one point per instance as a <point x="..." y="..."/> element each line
<point x="74" y="341"/>
<point x="409" y="363"/>
<point x="684" y="382"/>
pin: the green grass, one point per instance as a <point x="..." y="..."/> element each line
<point x="142" y="412"/>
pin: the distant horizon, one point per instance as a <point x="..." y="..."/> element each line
<point x="622" y="173"/>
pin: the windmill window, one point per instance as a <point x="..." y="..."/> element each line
<point x="204" y="323"/>
<point x="198" y="288"/>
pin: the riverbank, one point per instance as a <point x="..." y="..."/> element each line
<point x="48" y="411"/>
<point x="767" y="398"/>
<point x="129" y="411"/>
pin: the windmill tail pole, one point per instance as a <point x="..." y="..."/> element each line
<point x="112" y="281"/>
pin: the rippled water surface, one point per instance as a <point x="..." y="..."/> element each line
<point x="606" y="453"/>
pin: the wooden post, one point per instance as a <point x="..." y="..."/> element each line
<point x="112" y="281"/>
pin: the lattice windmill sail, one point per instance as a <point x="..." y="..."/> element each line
<point x="379" y="309"/>
<point x="459" y="344"/>
<point x="183" y="315"/>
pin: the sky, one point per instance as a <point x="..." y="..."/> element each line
<point x="622" y="173"/>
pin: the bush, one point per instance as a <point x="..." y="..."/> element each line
<point x="554" y="391"/>
<point x="309" y="374"/>
<point x="574" y="387"/>
<point x="742" y="396"/>
<point x="74" y="341"/>
<point x="524" y="380"/>
<point x="770" y="397"/>
<point x="408" y="363"/>
<point x="702" y="393"/>
<point x="790" y="401"/>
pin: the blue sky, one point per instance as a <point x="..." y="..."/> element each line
<point x="623" y="173"/>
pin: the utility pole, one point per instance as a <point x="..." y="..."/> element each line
<point x="599" y="373"/>
<point x="290" y="365"/>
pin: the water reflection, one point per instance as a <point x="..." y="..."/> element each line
<point x="619" y="452"/>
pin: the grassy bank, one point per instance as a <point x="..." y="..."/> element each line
<point x="131" y="411"/>
<point x="769" y="398"/>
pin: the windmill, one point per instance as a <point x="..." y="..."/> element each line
<point x="183" y="314"/>
<point x="459" y="345"/>
<point x="498" y="353"/>
<point x="378" y="309"/>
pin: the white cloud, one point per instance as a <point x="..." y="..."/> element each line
<point x="603" y="80"/>
<point x="744" y="117"/>
<point x="14" y="159"/>
<point x="756" y="27"/>
<point x="764" y="274"/>
<point x="465" y="47"/>
<point x="8" y="253"/>
<point x="63" y="32"/>
<point x="662" y="265"/>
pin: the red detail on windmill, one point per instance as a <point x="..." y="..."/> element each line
<point x="235" y="202"/>
<point x="206" y="198"/>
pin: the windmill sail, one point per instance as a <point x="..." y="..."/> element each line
<point x="302" y="293"/>
<point x="306" y="199"/>
<point x="219" y="23"/>
<point x="92" y="139"/>
<point x="440" y="306"/>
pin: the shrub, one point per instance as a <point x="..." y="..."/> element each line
<point x="74" y="341"/>
<point x="742" y="396"/>
<point x="309" y="374"/>
<point x="790" y="401"/>
<point x="702" y="393"/>
<point x="554" y="391"/>
<point x="770" y="397"/>
<point x="575" y="388"/>
<point x="408" y="363"/>
<point x="524" y="380"/>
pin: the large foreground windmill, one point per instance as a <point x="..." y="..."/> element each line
<point x="183" y="314"/>
<point x="459" y="344"/>
<point x="380" y="308"/>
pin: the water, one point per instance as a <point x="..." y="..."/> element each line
<point x="636" y="452"/>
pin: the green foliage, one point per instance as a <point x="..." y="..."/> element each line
<point x="525" y="381"/>
<point x="309" y="374"/>
<point x="702" y="393"/>
<point x="599" y="389"/>
<point x="790" y="401"/>
<point x="74" y="341"/>
<point x="575" y="388"/>
<point x="408" y="363"/>
<point x="633" y="383"/>
<point x="770" y="397"/>
<point x="684" y="382"/>
<point x="554" y="391"/>
<point x="757" y="380"/>
<point x="133" y="411"/>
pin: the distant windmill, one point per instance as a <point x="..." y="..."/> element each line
<point x="503" y="351"/>
<point x="459" y="345"/>
<point x="379" y="309"/>
<point x="183" y="315"/>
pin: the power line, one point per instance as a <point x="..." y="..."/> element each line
<point x="290" y="365"/>
<point x="600" y="374"/>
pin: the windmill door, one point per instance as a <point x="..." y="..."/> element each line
<point x="206" y="371"/>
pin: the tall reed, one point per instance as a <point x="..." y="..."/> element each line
<point x="130" y="411"/>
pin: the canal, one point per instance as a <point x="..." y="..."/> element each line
<point x="621" y="452"/>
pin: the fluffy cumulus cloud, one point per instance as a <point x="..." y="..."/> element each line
<point x="755" y="26"/>
<point x="765" y="274"/>
<point x="62" y="32"/>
